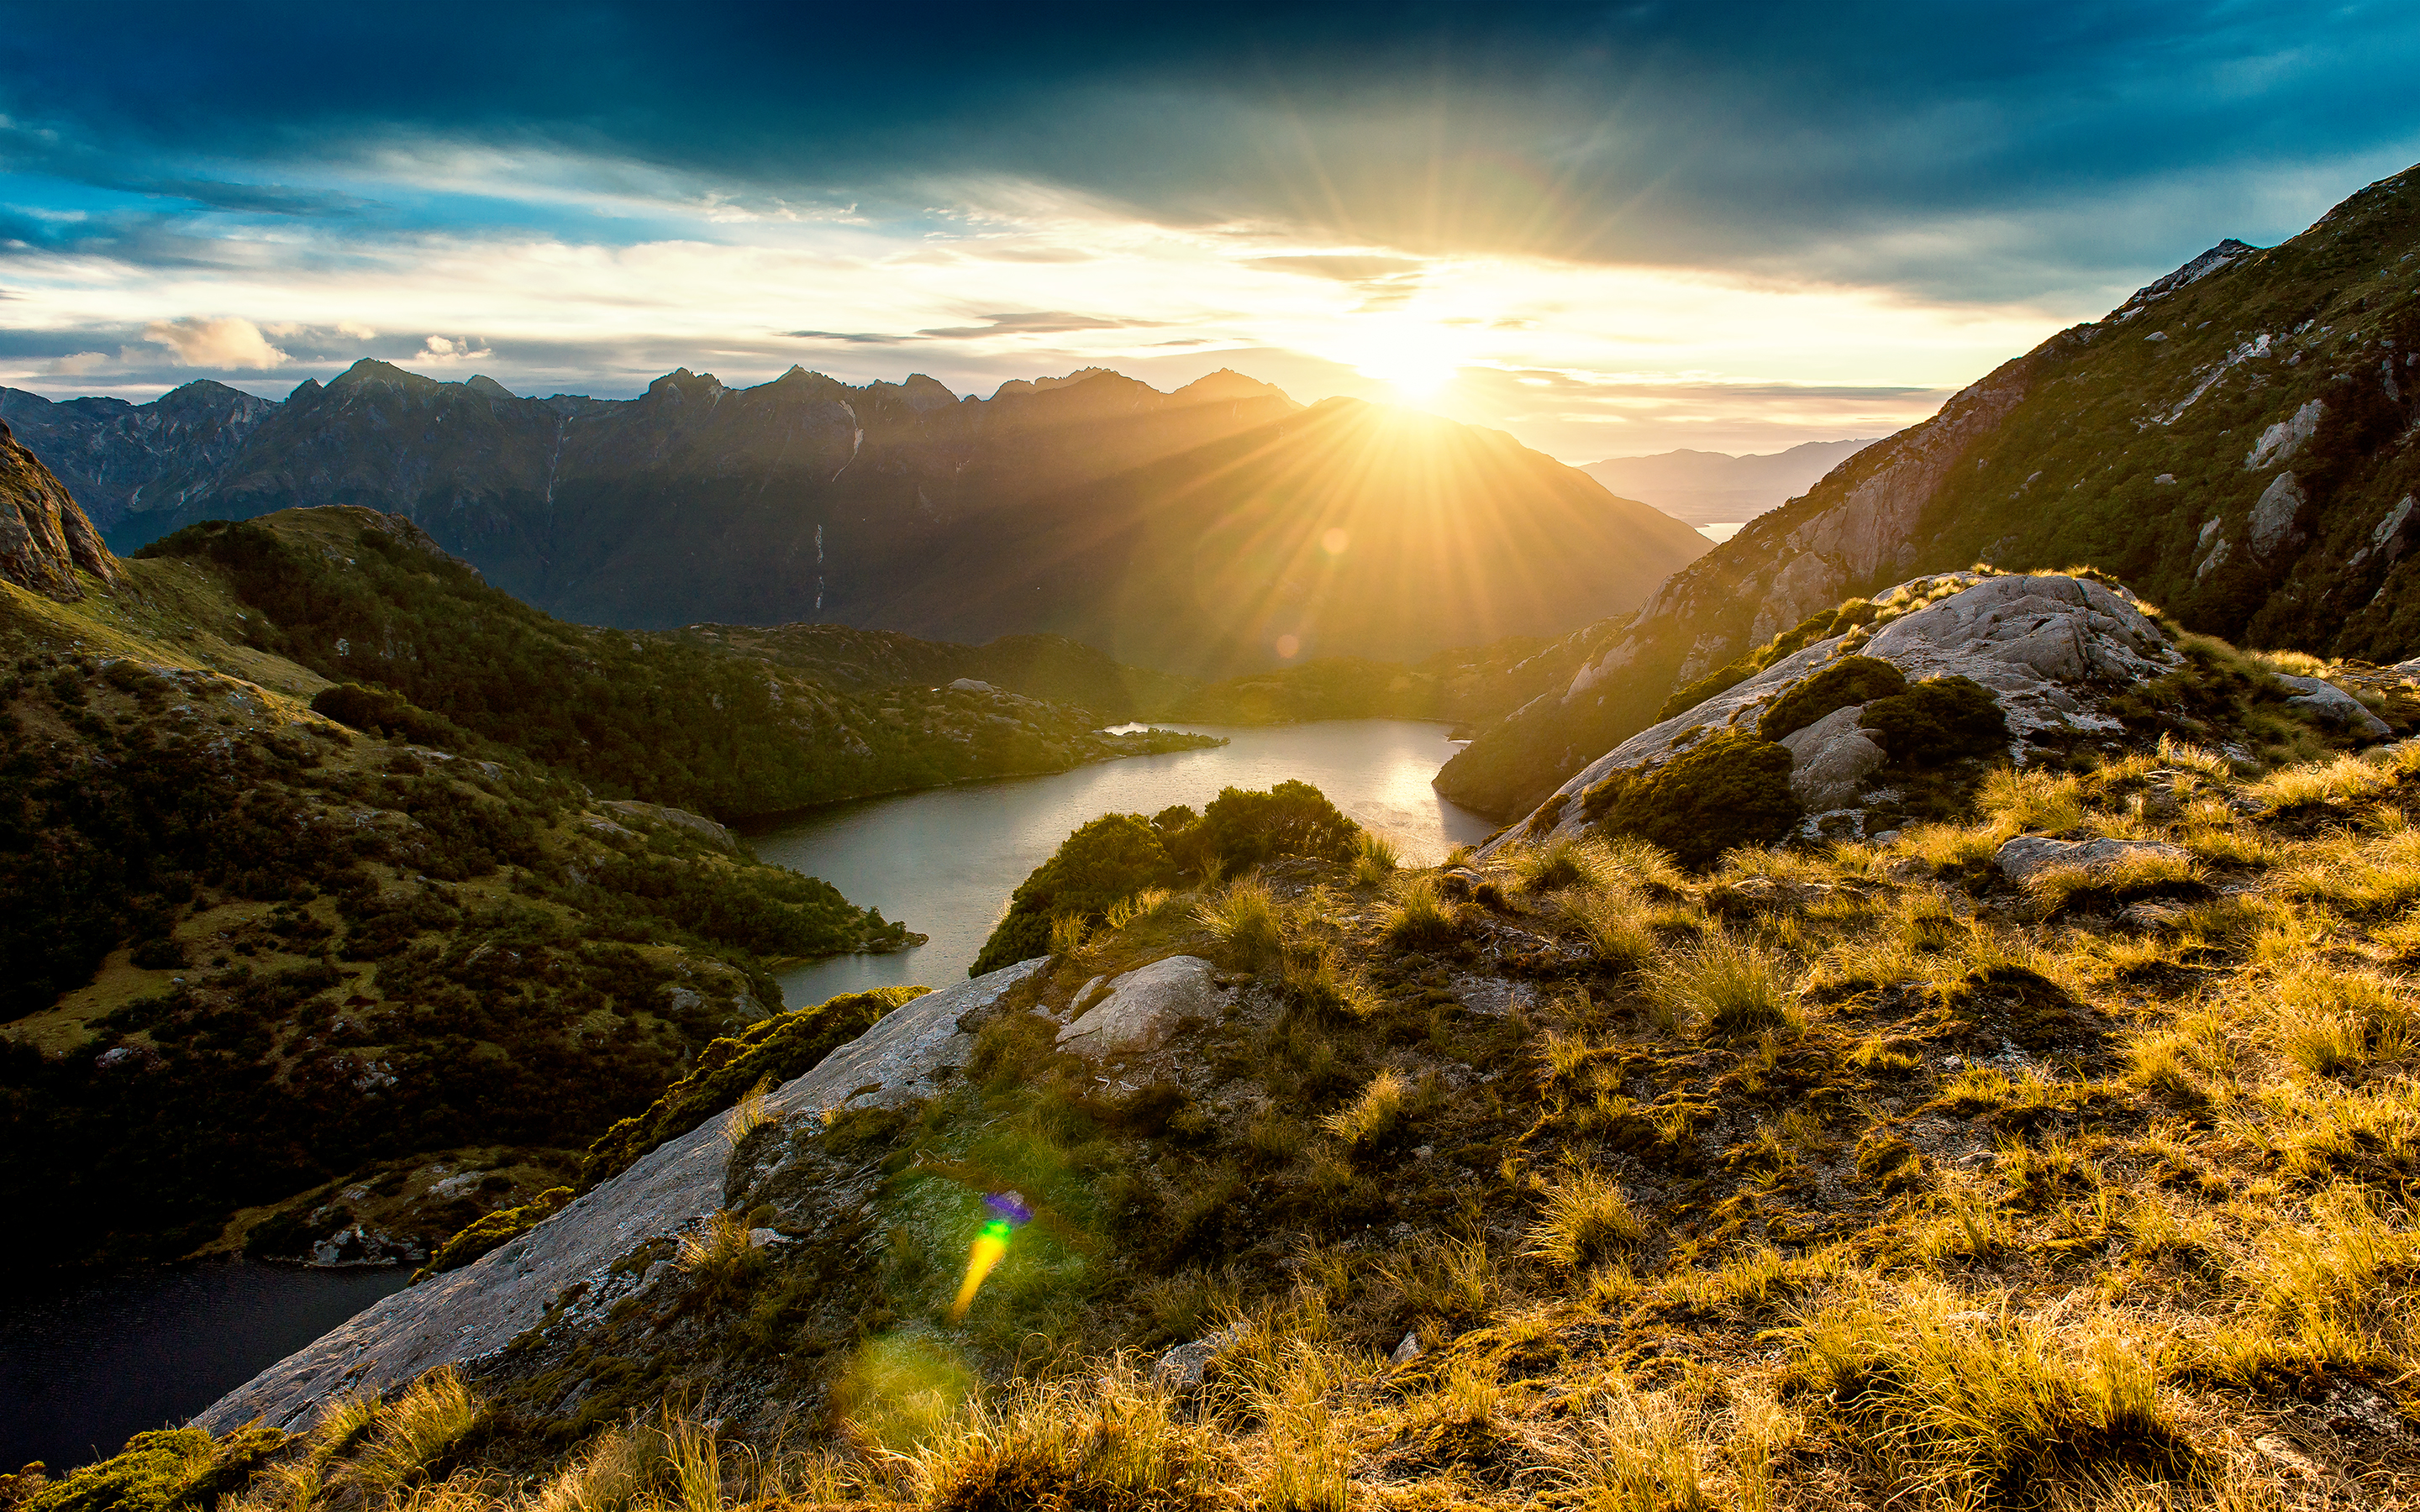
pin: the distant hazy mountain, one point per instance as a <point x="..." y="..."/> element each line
<point x="1717" y="487"/>
<point x="1212" y="530"/>
<point x="2236" y="442"/>
<point x="137" y="461"/>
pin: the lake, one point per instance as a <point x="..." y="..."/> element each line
<point x="944" y="860"/>
<point x="82" y="1368"/>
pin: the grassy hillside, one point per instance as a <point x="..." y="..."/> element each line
<point x="1859" y="1179"/>
<point x="2237" y="447"/>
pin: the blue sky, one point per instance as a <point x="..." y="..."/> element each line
<point x="1607" y="228"/>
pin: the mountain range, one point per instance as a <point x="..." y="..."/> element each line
<point x="1717" y="487"/>
<point x="2236" y="442"/>
<point x="1217" y="530"/>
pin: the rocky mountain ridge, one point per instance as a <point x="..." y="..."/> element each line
<point x="2236" y="442"/>
<point x="1216" y="529"/>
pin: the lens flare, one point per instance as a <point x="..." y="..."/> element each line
<point x="1009" y="1214"/>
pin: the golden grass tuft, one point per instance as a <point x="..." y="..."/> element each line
<point x="1422" y="917"/>
<point x="1374" y="859"/>
<point x="1726" y="987"/>
<point x="1367" y="1120"/>
<point x="1244" y="921"/>
<point x="1585" y="1220"/>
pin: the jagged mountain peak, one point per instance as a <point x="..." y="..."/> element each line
<point x="2197" y="268"/>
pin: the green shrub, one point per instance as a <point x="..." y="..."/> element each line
<point x="1850" y="680"/>
<point x="1242" y="829"/>
<point x="1104" y="862"/>
<point x="1939" y="720"/>
<point x="1729" y="790"/>
<point x="1117" y="855"/>
<point x="784" y="1046"/>
<point x="163" y="1471"/>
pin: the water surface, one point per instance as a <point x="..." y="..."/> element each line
<point x="82" y="1366"/>
<point x="945" y="860"/>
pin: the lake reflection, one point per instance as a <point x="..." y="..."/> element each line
<point x="945" y="860"/>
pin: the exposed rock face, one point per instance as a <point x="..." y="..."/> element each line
<point x="2050" y="648"/>
<point x="2242" y="472"/>
<point x="44" y="539"/>
<point x="2029" y="856"/>
<point x="472" y="1312"/>
<point x="1145" y="1008"/>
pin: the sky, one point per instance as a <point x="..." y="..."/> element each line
<point x="1609" y="229"/>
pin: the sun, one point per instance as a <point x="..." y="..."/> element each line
<point x="1417" y="361"/>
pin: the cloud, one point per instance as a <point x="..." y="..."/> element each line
<point x="229" y="342"/>
<point x="452" y="349"/>
<point x="1036" y="323"/>
<point x="76" y="365"/>
<point x="1993" y="150"/>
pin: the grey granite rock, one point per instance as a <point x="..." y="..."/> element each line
<point x="467" y="1314"/>
<point x="2333" y="706"/>
<point x="1145" y="1006"/>
<point x="2029" y="856"/>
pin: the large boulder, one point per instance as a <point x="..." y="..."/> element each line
<point x="2029" y="856"/>
<point x="574" y="1257"/>
<point x="2051" y="649"/>
<point x="1831" y="759"/>
<point x="2332" y="707"/>
<point x="1145" y="1008"/>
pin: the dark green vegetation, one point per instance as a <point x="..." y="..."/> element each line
<point x="494" y="1231"/>
<point x="1184" y="531"/>
<point x="1117" y="857"/>
<point x="338" y="953"/>
<point x="169" y="1470"/>
<point x="771" y="1051"/>
<point x="1847" y="680"/>
<point x="1461" y="686"/>
<point x="1938" y="721"/>
<point x="1727" y="790"/>
<point x="2143" y="444"/>
<point x="1048" y="667"/>
<point x="353" y="595"/>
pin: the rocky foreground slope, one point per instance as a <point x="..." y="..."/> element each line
<point x="2054" y="1152"/>
<point x="2236" y="442"/>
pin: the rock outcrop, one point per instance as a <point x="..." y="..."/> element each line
<point x="2027" y="857"/>
<point x="572" y="1257"/>
<point x="45" y="539"/>
<point x="2051" y="649"/>
<point x="1145" y="1008"/>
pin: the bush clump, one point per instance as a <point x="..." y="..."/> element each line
<point x="1939" y="720"/>
<point x="1117" y="855"/>
<point x="494" y="1231"/>
<point x="1849" y="681"/>
<point x="1729" y="789"/>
